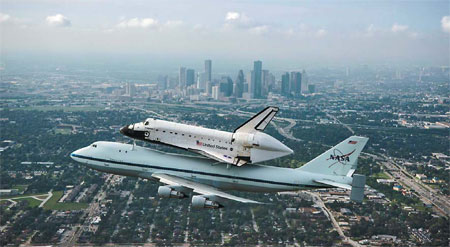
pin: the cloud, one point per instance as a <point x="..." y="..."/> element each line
<point x="58" y="20"/>
<point x="4" y="18"/>
<point x="139" y="23"/>
<point x="238" y="20"/>
<point x="398" y="28"/>
<point x="232" y="16"/>
<point x="445" y="24"/>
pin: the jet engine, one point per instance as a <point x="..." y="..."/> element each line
<point x="202" y="202"/>
<point x="169" y="192"/>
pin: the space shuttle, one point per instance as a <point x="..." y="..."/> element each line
<point x="246" y="144"/>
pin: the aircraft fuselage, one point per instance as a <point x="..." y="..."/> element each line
<point x="129" y="160"/>
<point x="234" y="148"/>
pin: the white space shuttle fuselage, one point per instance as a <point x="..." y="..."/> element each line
<point x="246" y="144"/>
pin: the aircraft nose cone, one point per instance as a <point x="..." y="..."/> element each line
<point x="123" y="130"/>
<point x="74" y="155"/>
<point x="126" y="130"/>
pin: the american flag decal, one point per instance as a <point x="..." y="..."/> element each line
<point x="199" y="143"/>
<point x="352" y="142"/>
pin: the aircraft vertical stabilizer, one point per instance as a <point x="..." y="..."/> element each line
<point x="339" y="160"/>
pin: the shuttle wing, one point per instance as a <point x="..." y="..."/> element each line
<point x="199" y="188"/>
<point x="220" y="157"/>
<point x="215" y="156"/>
<point x="259" y="121"/>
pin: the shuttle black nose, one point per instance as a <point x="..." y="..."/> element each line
<point x="123" y="130"/>
<point x="126" y="130"/>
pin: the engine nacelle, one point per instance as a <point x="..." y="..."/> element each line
<point x="202" y="202"/>
<point x="244" y="139"/>
<point x="168" y="192"/>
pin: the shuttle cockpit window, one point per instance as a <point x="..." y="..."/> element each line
<point x="146" y="123"/>
<point x="94" y="145"/>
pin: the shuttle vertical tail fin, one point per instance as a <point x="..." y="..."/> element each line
<point x="259" y="121"/>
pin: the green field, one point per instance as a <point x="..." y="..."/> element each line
<point x="31" y="201"/>
<point x="20" y="187"/>
<point x="24" y="195"/>
<point x="53" y="203"/>
<point x="381" y="175"/>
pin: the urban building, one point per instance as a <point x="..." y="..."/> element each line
<point x="182" y="77"/>
<point x="257" y="78"/>
<point x="208" y="69"/>
<point x="190" y="77"/>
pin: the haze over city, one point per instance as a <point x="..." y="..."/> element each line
<point x="285" y="34"/>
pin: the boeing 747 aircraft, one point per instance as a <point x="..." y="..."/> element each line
<point x="247" y="144"/>
<point x="183" y="175"/>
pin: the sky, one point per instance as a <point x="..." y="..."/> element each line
<point x="281" y="33"/>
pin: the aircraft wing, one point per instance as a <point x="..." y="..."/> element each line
<point x="219" y="157"/>
<point x="259" y="121"/>
<point x="199" y="188"/>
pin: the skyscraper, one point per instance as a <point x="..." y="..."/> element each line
<point x="250" y="84"/>
<point x="304" y="83"/>
<point x="295" y="83"/>
<point x="215" y="92"/>
<point x="182" y="77"/>
<point x="130" y="89"/>
<point x="239" y="84"/>
<point x="257" y="70"/>
<point x="285" y="84"/>
<point x="190" y="77"/>
<point x="208" y="69"/>
<point x="226" y="86"/>
<point x="201" y="80"/>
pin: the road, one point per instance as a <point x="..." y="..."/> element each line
<point x="339" y="122"/>
<point x="330" y="215"/>
<point x="50" y="194"/>
<point x="90" y="212"/>
<point x="427" y="195"/>
<point x="286" y="131"/>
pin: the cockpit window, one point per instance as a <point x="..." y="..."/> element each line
<point x="94" y="145"/>
<point x="146" y="122"/>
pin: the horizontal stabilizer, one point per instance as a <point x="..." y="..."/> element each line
<point x="334" y="184"/>
<point x="259" y="121"/>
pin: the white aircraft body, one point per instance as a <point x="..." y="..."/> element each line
<point x="247" y="144"/>
<point x="183" y="174"/>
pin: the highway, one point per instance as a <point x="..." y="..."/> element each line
<point x="441" y="203"/>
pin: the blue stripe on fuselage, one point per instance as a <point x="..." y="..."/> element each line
<point x="194" y="172"/>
